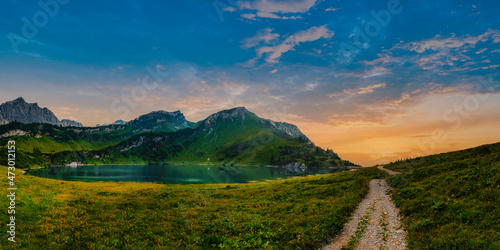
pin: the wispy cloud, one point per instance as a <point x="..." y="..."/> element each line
<point x="263" y="36"/>
<point x="273" y="53"/>
<point x="358" y="91"/>
<point x="442" y="55"/>
<point x="275" y="9"/>
<point x="272" y="6"/>
<point x="370" y="88"/>
<point x="332" y="9"/>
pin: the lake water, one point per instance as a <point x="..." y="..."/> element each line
<point x="178" y="174"/>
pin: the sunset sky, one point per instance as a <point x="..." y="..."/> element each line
<point x="373" y="80"/>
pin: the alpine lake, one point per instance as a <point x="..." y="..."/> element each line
<point x="176" y="174"/>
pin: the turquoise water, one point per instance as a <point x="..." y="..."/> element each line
<point x="178" y="174"/>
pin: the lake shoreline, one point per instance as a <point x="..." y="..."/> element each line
<point x="177" y="174"/>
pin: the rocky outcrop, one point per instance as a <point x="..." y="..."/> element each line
<point x="70" y="123"/>
<point x="290" y="129"/>
<point x="240" y="112"/>
<point x="296" y="167"/>
<point x="21" y="111"/>
<point x="17" y="132"/>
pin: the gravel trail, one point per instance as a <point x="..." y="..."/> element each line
<point x="375" y="224"/>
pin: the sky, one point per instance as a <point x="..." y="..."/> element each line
<point x="376" y="81"/>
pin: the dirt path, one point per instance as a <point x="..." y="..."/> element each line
<point x="375" y="224"/>
<point x="388" y="171"/>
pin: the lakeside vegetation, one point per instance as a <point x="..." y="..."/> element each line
<point x="450" y="200"/>
<point x="295" y="213"/>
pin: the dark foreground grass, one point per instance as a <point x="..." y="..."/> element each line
<point x="298" y="213"/>
<point x="452" y="200"/>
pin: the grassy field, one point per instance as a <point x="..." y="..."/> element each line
<point x="297" y="213"/>
<point x="451" y="200"/>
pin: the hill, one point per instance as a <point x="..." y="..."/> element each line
<point x="234" y="136"/>
<point x="451" y="200"/>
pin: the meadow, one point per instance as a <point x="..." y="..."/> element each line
<point x="296" y="213"/>
<point x="450" y="200"/>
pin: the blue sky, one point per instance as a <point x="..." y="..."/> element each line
<point x="338" y="69"/>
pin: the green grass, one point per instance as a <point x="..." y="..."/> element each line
<point x="297" y="213"/>
<point x="452" y="200"/>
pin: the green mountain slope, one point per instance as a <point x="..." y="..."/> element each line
<point x="52" y="138"/>
<point x="234" y="136"/>
<point x="451" y="200"/>
<point x="160" y="121"/>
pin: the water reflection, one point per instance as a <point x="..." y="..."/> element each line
<point x="178" y="174"/>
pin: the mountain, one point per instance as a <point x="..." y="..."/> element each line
<point x="160" y="121"/>
<point x="234" y="136"/>
<point x="66" y="135"/>
<point x="119" y="122"/>
<point x="21" y="111"/>
<point x="70" y="123"/>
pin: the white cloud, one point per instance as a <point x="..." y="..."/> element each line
<point x="438" y="43"/>
<point x="442" y="55"/>
<point x="248" y="16"/>
<point x="274" y="16"/>
<point x="311" y="86"/>
<point x="272" y="6"/>
<point x="230" y="9"/>
<point x="262" y="36"/>
<point x="309" y="35"/>
<point x="377" y="71"/>
<point x="332" y="9"/>
<point x="369" y="89"/>
<point x="357" y="91"/>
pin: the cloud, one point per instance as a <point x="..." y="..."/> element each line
<point x="311" y="86"/>
<point x="272" y="6"/>
<point x="332" y="9"/>
<point x="275" y="52"/>
<point x="262" y="36"/>
<point x="439" y="44"/>
<point x="357" y="91"/>
<point x="443" y="55"/>
<point x="370" y="88"/>
<point x="274" y="16"/>
<point x="249" y="16"/>
<point x="377" y="71"/>
<point x="230" y="9"/>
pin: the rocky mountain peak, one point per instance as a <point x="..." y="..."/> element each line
<point x="239" y="112"/>
<point x="70" y="123"/>
<point x="161" y="120"/>
<point x="21" y="111"/>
